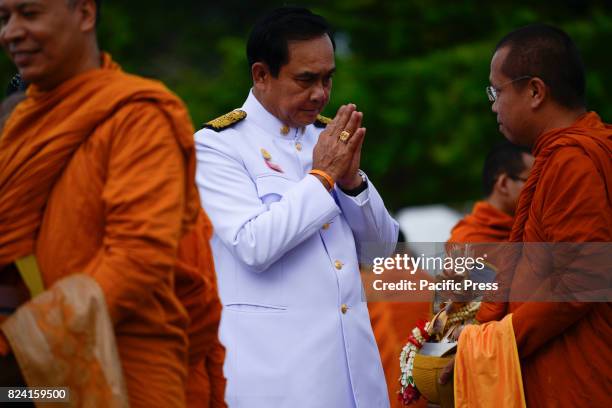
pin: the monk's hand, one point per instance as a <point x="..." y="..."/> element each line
<point x="447" y="372"/>
<point x="335" y="150"/>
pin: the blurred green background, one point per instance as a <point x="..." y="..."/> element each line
<point x="417" y="68"/>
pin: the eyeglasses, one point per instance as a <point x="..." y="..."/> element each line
<point x="518" y="178"/>
<point x="492" y="91"/>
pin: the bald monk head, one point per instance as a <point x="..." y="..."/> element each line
<point x="50" y="41"/>
<point x="537" y="83"/>
<point x="505" y="171"/>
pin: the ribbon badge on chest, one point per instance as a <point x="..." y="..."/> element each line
<point x="268" y="160"/>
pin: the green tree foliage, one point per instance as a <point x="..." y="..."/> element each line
<point x="417" y="68"/>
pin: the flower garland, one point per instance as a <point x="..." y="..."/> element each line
<point x="465" y="313"/>
<point x="419" y="335"/>
<point x="417" y="338"/>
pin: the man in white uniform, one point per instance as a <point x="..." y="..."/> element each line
<point x="293" y="216"/>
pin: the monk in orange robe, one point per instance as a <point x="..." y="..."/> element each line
<point x="98" y="205"/>
<point x="505" y="170"/>
<point x="486" y="223"/>
<point x="538" y="93"/>
<point x="504" y="173"/>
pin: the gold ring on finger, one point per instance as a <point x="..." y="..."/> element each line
<point x="344" y="136"/>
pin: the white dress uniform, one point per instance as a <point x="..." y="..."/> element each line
<point x="294" y="323"/>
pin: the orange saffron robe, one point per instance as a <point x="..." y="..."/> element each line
<point x="97" y="177"/>
<point x="487" y="368"/>
<point x="196" y="286"/>
<point x="566" y="357"/>
<point x="486" y="223"/>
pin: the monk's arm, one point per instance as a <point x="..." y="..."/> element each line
<point x="574" y="209"/>
<point x="536" y="323"/>
<point x="144" y="199"/>
<point x="490" y="311"/>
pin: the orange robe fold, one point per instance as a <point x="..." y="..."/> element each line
<point x="565" y="351"/>
<point x="196" y="284"/>
<point x="97" y="177"/>
<point x="487" y="369"/>
<point x="485" y="224"/>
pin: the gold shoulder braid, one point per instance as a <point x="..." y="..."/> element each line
<point x="226" y="121"/>
<point x="322" y="121"/>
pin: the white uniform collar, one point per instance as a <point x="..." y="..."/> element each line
<point x="268" y="122"/>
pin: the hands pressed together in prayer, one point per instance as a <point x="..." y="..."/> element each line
<point x="337" y="157"/>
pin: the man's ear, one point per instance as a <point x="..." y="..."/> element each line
<point x="501" y="185"/>
<point x="261" y="75"/>
<point x="538" y="91"/>
<point x="87" y="14"/>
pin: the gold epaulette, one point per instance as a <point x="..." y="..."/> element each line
<point x="226" y="121"/>
<point x="322" y="121"/>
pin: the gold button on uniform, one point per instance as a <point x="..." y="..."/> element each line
<point x="298" y="146"/>
<point x="338" y="265"/>
<point x="285" y="130"/>
<point x="344" y="308"/>
<point x="325" y="226"/>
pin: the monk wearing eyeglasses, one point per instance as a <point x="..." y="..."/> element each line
<point x="546" y="354"/>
